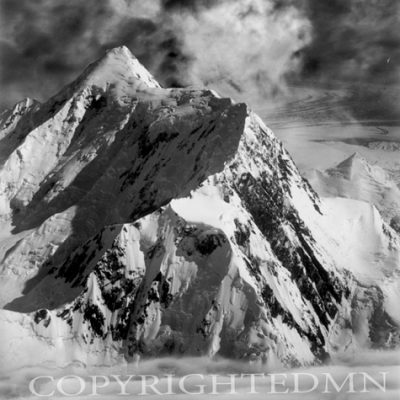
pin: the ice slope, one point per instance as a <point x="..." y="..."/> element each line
<point x="143" y="221"/>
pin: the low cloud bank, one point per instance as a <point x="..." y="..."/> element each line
<point x="367" y="375"/>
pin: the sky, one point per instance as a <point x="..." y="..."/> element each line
<point x="256" y="49"/>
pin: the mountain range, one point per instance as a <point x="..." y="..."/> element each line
<point x="141" y="221"/>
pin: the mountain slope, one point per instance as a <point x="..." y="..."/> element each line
<point x="143" y="221"/>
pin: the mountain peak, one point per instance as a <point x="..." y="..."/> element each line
<point x="117" y="71"/>
<point x="352" y="165"/>
<point x="117" y="55"/>
<point x="355" y="157"/>
<point x="120" y="50"/>
<point x="119" y="64"/>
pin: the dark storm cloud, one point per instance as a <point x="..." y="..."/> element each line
<point x="188" y="4"/>
<point x="358" y="44"/>
<point x="46" y="43"/>
<point x="355" y="44"/>
<point x="253" y="44"/>
<point x="353" y="40"/>
<point x="39" y="40"/>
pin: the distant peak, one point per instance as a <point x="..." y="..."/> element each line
<point x="354" y="158"/>
<point x="356" y="166"/>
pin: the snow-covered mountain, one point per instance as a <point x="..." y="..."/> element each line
<point x="138" y="220"/>
<point x="356" y="178"/>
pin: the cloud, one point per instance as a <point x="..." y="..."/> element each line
<point x="374" y="363"/>
<point x="44" y="44"/>
<point x="353" y="39"/>
<point x="356" y="45"/>
<point x="245" y="44"/>
<point x="243" y="47"/>
<point x="247" y="48"/>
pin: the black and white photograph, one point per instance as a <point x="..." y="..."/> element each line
<point x="200" y="198"/>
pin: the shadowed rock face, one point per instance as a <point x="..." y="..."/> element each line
<point x="149" y="221"/>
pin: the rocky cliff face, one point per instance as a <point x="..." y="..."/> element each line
<point x="138" y="220"/>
